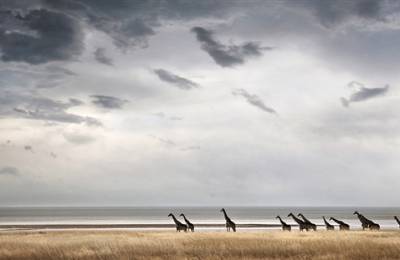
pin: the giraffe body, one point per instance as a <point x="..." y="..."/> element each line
<point x="285" y="226"/>
<point x="301" y="223"/>
<point x="229" y="223"/>
<point x="179" y="225"/>
<point x="342" y="225"/>
<point x="328" y="225"/>
<point x="188" y="223"/>
<point x="366" y="223"/>
<point x="308" y="222"/>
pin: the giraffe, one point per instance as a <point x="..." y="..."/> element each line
<point x="179" y="225"/>
<point x="328" y="225"/>
<point x="312" y="225"/>
<point x="301" y="223"/>
<point x="397" y="220"/>
<point x="285" y="226"/>
<point x="366" y="223"/>
<point x="342" y="225"/>
<point x="188" y="223"/>
<point x="229" y="223"/>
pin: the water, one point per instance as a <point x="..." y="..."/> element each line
<point x="204" y="215"/>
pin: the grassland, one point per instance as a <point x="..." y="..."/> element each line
<point x="211" y="245"/>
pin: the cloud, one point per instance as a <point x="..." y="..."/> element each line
<point x="108" y="101"/>
<point x="78" y="138"/>
<point x="190" y="148"/>
<point x="9" y="171"/>
<point x="100" y="56"/>
<point x="253" y="100"/>
<point x="40" y="36"/>
<point x="362" y="93"/>
<point x="164" y="141"/>
<point x="175" y="80"/>
<point x="28" y="148"/>
<point x="227" y="55"/>
<point x="41" y="108"/>
<point x="330" y="13"/>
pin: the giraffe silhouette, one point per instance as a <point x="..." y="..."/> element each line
<point x="342" y="225"/>
<point x="179" y="225"/>
<point x="301" y="223"/>
<point x="188" y="223"/>
<point x="229" y="223"/>
<point x="366" y="223"/>
<point x="397" y="220"/>
<point x="328" y="225"/>
<point x="312" y="225"/>
<point x="285" y="226"/>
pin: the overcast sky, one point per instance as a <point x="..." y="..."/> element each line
<point x="180" y="102"/>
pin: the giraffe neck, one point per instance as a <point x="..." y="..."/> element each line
<point x="186" y="220"/>
<point x="397" y="219"/>
<point x="175" y="220"/>
<point x="297" y="219"/>
<point x="226" y="216"/>
<point x="304" y="218"/>
<point x="326" y="222"/>
<point x="362" y="218"/>
<point x="280" y="219"/>
<point x="337" y="221"/>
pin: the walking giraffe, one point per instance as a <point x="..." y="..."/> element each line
<point x="229" y="223"/>
<point x="366" y="223"/>
<point x="397" y="220"/>
<point x="312" y="225"/>
<point x="188" y="223"/>
<point x="301" y="223"/>
<point x="285" y="226"/>
<point x="328" y="225"/>
<point x="179" y="225"/>
<point x="342" y="225"/>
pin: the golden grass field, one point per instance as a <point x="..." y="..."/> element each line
<point x="211" y="245"/>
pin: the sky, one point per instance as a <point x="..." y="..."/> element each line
<point x="200" y="103"/>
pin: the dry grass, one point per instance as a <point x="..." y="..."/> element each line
<point x="170" y="245"/>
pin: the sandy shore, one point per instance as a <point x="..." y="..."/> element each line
<point x="211" y="245"/>
<point x="124" y="226"/>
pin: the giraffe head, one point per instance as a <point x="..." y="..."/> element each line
<point x="277" y="217"/>
<point x="182" y="215"/>
<point x="330" y="218"/>
<point x="222" y="210"/>
<point x="300" y="215"/>
<point x="290" y="214"/>
<point x="170" y="215"/>
<point x="356" y="213"/>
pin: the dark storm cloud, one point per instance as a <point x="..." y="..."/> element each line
<point x="362" y="93"/>
<point x="253" y="100"/>
<point x="130" y="23"/>
<point x="175" y="80"/>
<point x="9" y="171"/>
<point x="40" y="108"/>
<point x="39" y="36"/>
<point x="108" y="101"/>
<point x="335" y="12"/>
<point x="101" y="56"/>
<point x="227" y="55"/>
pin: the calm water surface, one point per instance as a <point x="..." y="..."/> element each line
<point x="158" y="215"/>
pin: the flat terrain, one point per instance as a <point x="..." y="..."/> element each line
<point x="103" y="245"/>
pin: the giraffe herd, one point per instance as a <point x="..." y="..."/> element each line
<point x="300" y="219"/>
